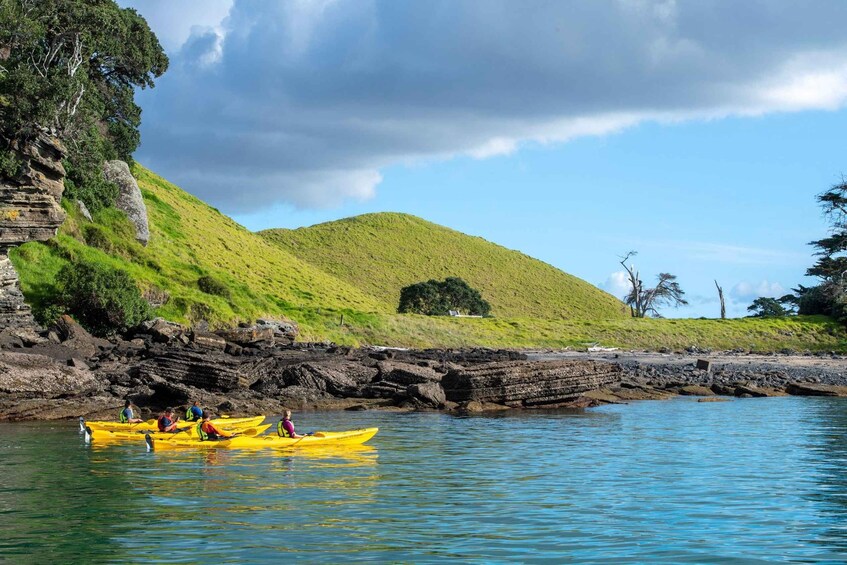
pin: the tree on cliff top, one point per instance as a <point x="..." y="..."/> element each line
<point x="71" y="67"/>
<point x="643" y="301"/>
<point x="830" y="297"/>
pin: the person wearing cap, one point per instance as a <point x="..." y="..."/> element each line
<point x="126" y="416"/>
<point x="167" y="422"/>
<point x="285" y="428"/>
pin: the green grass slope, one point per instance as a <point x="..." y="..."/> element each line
<point x="382" y="253"/>
<point x="189" y="239"/>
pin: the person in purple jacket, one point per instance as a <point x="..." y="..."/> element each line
<point x="285" y="428"/>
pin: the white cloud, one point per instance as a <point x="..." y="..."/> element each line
<point x="746" y="291"/>
<point x="617" y="284"/>
<point x="306" y="101"/>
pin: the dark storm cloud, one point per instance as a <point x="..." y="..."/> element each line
<point x="305" y="102"/>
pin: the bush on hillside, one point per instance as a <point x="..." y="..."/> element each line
<point x="437" y="298"/>
<point x="104" y="300"/>
<point x="211" y="285"/>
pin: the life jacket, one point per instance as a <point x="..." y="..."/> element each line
<point x="123" y="417"/>
<point x="161" y="422"/>
<point x="189" y="415"/>
<point x="200" y="433"/>
<point x="280" y="429"/>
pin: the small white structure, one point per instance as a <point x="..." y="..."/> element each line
<point x="456" y="314"/>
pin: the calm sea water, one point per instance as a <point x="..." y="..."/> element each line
<point x="747" y="481"/>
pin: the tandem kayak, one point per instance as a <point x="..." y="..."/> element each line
<point x="186" y="435"/>
<point x="225" y="424"/>
<point x="322" y="439"/>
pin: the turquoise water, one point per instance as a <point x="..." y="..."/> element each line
<point x="747" y="481"/>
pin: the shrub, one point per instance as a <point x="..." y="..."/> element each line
<point x="104" y="300"/>
<point x="434" y="298"/>
<point x="96" y="237"/>
<point x="211" y="285"/>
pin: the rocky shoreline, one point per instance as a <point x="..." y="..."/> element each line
<point x="64" y="372"/>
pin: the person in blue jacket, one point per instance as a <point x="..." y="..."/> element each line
<point x="194" y="413"/>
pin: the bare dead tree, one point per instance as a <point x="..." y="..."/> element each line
<point x="643" y="301"/>
<point x="723" y="304"/>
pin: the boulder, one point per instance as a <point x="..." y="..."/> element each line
<point x="331" y="379"/>
<point x="285" y="331"/>
<point x="406" y="374"/>
<point x="129" y="198"/>
<point x="74" y="336"/>
<point x="162" y="330"/>
<point x="429" y="394"/>
<point x="208" y="341"/>
<point x="251" y="336"/>
<point x="83" y="209"/>
<point x="696" y="390"/>
<point x="815" y="389"/>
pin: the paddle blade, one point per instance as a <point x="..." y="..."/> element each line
<point x="88" y="434"/>
<point x="149" y="442"/>
<point x="81" y="425"/>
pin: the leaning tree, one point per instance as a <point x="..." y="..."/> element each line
<point x="642" y="300"/>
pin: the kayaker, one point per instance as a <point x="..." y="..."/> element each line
<point x="285" y="428"/>
<point x="167" y="422"/>
<point x="206" y="430"/>
<point x="126" y="416"/>
<point x="194" y="412"/>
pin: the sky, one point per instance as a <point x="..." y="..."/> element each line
<point x="696" y="133"/>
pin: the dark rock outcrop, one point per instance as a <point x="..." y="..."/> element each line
<point x="529" y="384"/>
<point x="129" y="198"/>
<point x="429" y="394"/>
<point x="216" y="372"/>
<point x="406" y="374"/>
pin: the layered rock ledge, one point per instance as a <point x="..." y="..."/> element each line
<point x="29" y="211"/>
<point x="64" y="372"/>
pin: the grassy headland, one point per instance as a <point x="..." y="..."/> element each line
<point x="356" y="267"/>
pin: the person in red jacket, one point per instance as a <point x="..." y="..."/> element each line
<point x="206" y="430"/>
<point x="167" y="421"/>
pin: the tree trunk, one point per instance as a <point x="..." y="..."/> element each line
<point x="720" y="296"/>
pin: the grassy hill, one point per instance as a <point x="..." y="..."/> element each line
<point x="382" y="253"/>
<point x="189" y="239"/>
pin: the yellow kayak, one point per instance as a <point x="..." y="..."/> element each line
<point x="188" y="434"/>
<point x="152" y="425"/>
<point x="318" y="439"/>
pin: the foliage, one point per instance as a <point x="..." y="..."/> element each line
<point x="382" y="253"/>
<point x="103" y="299"/>
<point x="830" y="296"/>
<point x="644" y="301"/>
<point x="71" y="67"/>
<point x="434" y="298"/>
<point x="211" y="285"/>
<point x="765" y="307"/>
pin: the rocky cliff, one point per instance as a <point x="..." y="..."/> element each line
<point x="29" y="211"/>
